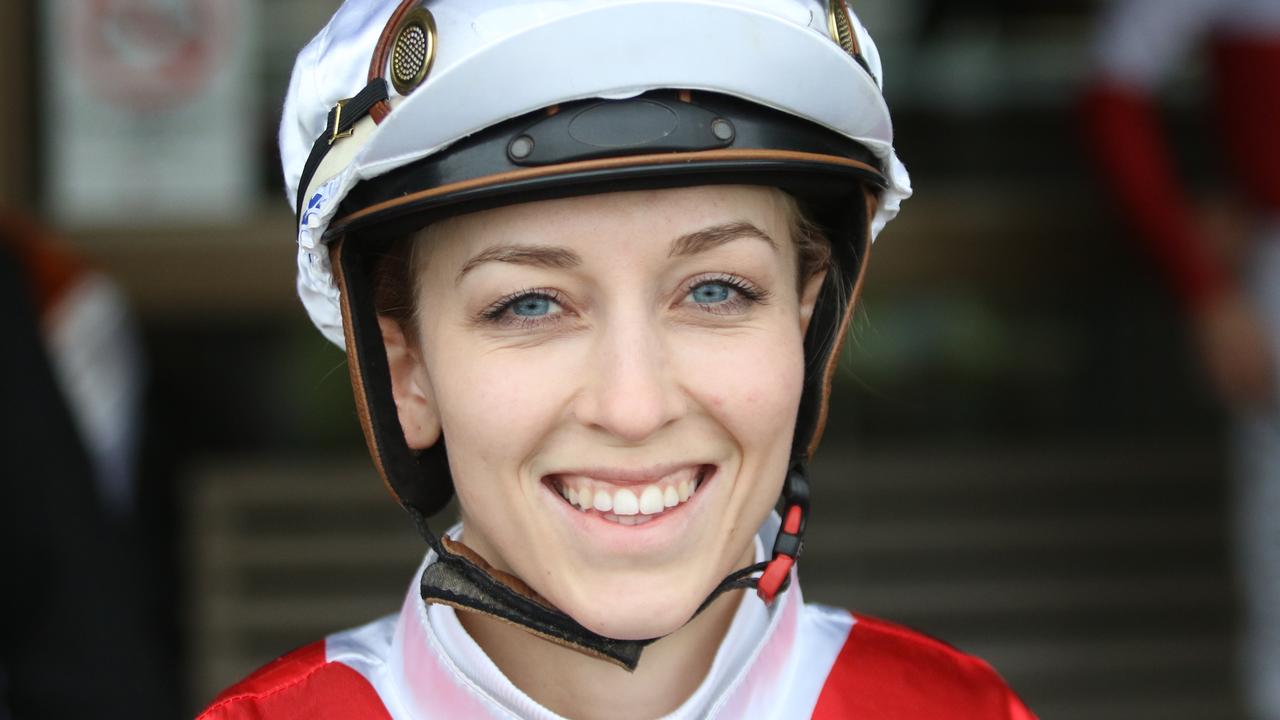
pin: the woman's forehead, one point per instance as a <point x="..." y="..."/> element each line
<point x="664" y="216"/>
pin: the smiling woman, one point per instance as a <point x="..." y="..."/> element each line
<point x="614" y="284"/>
<point x="617" y="366"/>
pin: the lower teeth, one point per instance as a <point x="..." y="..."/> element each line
<point x="629" y="519"/>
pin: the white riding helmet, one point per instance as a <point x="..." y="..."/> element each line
<point x="400" y="114"/>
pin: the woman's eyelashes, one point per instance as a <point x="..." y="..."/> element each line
<point x="525" y="308"/>
<point x="718" y="294"/>
<point x="724" y="294"/>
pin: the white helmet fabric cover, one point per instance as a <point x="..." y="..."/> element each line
<point x="499" y="59"/>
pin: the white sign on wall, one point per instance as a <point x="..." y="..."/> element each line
<point x="150" y="111"/>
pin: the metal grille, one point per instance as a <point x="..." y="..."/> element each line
<point x="409" y="54"/>
<point x="284" y="553"/>
<point x="412" y="52"/>
<point x="1094" y="579"/>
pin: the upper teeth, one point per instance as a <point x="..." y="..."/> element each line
<point x="589" y="494"/>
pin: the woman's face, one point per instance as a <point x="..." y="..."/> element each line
<point x="617" y="377"/>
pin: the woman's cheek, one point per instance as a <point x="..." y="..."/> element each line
<point x="499" y="403"/>
<point x="498" y="408"/>
<point x="752" y="388"/>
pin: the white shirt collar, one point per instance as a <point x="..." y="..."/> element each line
<point x="442" y="672"/>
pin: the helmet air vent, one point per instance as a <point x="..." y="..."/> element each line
<point x="413" y="50"/>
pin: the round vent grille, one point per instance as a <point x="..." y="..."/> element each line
<point x="413" y="50"/>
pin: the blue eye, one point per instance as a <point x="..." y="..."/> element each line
<point x="532" y="306"/>
<point x="526" y="309"/>
<point x="711" y="293"/>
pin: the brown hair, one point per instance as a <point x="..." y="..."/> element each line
<point x="813" y="250"/>
<point x="395" y="289"/>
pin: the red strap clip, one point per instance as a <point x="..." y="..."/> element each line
<point x="784" y="551"/>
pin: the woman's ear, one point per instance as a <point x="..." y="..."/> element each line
<point x="809" y="299"/>
<point x="410" y="387"/>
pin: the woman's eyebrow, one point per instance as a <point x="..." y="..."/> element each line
<point x="709" y="237"/>
<point x="550" y="256"/>
<point x="537" y="255"/>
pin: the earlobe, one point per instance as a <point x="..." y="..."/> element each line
<point x="410" y="387"/>
<point x="809" y="299"/>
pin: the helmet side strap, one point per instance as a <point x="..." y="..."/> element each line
<point x="789" y="543"/>
<point x="420" y="481"/>
<point x="842" y="329"/>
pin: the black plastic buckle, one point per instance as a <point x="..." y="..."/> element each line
<point x="795" y="493"/>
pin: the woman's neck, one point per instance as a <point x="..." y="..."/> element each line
<point x="576" y="685"/>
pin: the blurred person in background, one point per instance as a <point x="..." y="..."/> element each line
<point x="79" y="635"/>
<point x="1225" y="263"/>
<point x="621" y="301"/>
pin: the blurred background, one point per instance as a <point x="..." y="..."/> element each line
<point x="1031" y="452"/>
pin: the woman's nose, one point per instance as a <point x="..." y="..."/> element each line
<point x="629" y="391"/>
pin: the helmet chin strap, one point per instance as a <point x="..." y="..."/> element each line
<point x="463" y="580"/>
<point x="789" y="543"/>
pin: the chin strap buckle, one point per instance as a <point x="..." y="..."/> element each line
<point x="790" y="541"/>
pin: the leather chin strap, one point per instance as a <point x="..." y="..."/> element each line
<point x="462" y="579"/>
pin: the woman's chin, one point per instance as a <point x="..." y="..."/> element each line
<point x="632" y="623"/>
<point x="632" y="616"/>
<point x="634" y="603"/>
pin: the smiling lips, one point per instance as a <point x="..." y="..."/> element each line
<point x="633" y="503"/>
